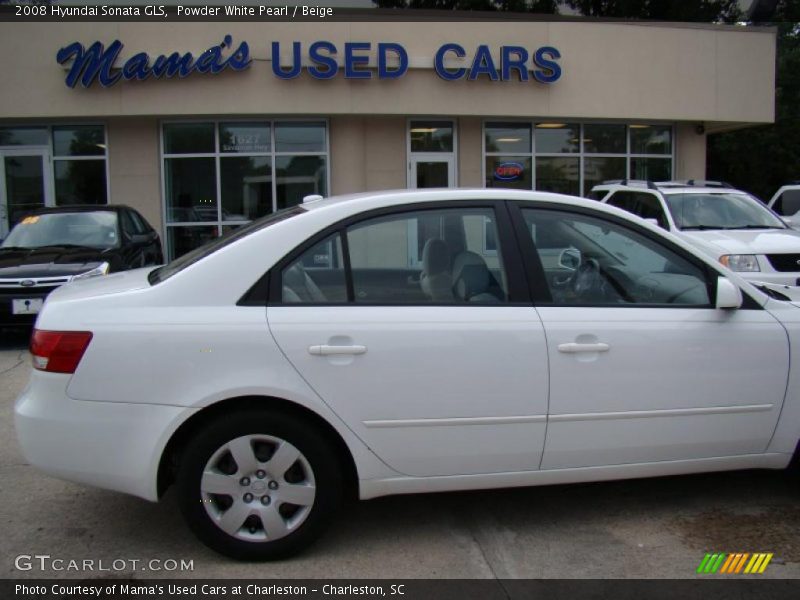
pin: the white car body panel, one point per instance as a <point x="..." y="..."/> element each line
<point x="440" y="390"/>
<point x="487" y="424"/>
<point x="627" y="405"/>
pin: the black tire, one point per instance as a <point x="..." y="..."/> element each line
<point x="316" y="453"/>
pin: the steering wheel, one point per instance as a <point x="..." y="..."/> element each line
<point x="586" y="277"/>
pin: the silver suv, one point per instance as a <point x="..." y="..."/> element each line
<point x="731" y="225"/>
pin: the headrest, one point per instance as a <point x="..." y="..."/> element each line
<point x="435" y="257"/>
<point x="470" y="274"/>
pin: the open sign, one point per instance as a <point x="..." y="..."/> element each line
<point x="508" y="171"/>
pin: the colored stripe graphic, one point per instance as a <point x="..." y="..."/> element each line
<point x="735" y="563"/>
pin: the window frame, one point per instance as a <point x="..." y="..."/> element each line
<point x="518" y="294"/>
<point x="217" y="155"/>
<point x="540" y="291"/>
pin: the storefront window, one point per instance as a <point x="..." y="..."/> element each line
<point x="228" y="173"/>
<point x="509" y="172"/>
<point x="508" y="138"/>
<point x="246" y="187"/>
<point x="431" y="136"/>
<point x="557" y="174"/>
<point x="299" y="176"/>
<point x="651" y="139"/>
<point x="557" y="138"/>
<point x="188" y="138"/>
<point x="651" y="169"/>
<point x="244" y="138"/>
<point x="604" y="139"/>
<point x="23" y="136"/>
<point x="599" y="169"/>
<point x="571" y="158"/>
<point x="191" y="190"/>
<point x="80" y="182"/>
<point x="79" y="164"/>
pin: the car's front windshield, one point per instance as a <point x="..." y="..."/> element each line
<point x="91" y="229"/>
<point x="722" y="210"/>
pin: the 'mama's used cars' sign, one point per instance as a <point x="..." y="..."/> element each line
<point x="102" y="64"/>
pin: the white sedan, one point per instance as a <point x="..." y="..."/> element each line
<point x="402" y="342"/>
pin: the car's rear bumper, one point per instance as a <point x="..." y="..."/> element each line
<point x="111" y="445"/>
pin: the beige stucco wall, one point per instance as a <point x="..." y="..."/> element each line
<point x="133" y="166"/>
<point x="367" y="154"/>
<point x="610" y="71"/>
<point x="690" y="152"/>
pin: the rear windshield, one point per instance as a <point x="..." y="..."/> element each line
<point x="212" y="246"/>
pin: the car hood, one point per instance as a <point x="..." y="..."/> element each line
<point x="123" y="281"/>
<point x="745" y="241"/>
<point x="48" y="262"/>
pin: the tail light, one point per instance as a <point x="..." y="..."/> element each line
<point x="58" y="351"/>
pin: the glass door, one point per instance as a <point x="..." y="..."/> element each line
<point x="25" y="184"/>
<point x="431" y="171"/>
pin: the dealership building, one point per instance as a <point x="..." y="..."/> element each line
<point x="204" y="126"/>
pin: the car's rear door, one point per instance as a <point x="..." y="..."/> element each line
<point x="438" y="372"/>
<point x="643" y="367"/>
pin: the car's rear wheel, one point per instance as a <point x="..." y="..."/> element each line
<point x="258" y="485"/>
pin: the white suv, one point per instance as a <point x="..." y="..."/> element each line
<point x="728" y="224"/>
<point x="786" y="202"/>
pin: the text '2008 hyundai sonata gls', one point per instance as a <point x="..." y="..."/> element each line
<point x="404" y="342"/>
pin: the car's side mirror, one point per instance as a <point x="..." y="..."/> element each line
<point x="728" y="294"/>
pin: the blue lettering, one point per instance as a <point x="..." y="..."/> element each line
<point x="91" y="64"/>
<point x="483" y="64"/>
<point x="240" y="59"/>
<point x="438" y="62"/>
<point x="551" y="70"/>
<point x="383" y="71"/>
<point x="172" y="65"/>
<point x="352" y="60"/>
<point x="137" y="67"/>
<point x="514" y="64"/>
<point x="294" y="71"/>
<point x="326" y="60"/>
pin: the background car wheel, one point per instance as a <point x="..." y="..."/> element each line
<point x="258" y="485"/>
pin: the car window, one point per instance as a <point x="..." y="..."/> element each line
<point x="128" y="227"/>
<point x="439" y="256"/>
<point x="642" y="204"/>
<point x="140" y="226"/>
<point x="446" y="256"/>
<point x="589" y="261"/>
<point x="788" y="203"/>
<point x="317" y="276"/>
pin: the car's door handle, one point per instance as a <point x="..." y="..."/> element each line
<point x="574" y="347"/>
<point x="325" y="350"/>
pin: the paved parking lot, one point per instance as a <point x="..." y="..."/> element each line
<point x="647" y="528"/>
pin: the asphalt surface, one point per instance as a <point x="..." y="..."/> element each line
<point x="654" y="528"/>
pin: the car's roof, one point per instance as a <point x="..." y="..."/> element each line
<point x="402" y="196"/>
<point x="667" y="188"/>
<point x="75" y="208"/>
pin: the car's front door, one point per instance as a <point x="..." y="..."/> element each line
<point x="408" y="326"/>
<point x="643" y="367"/>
